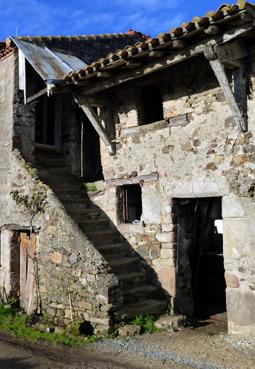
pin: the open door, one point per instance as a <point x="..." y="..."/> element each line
<point x="200" y="271"/>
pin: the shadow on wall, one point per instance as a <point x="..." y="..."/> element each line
<point x="138" y="281"/>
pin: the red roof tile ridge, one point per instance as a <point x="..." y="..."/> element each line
<point x="81" y="37"/>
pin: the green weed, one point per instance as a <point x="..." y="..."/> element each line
<point x="146" y="322"/>
<point x="13" y="321"/>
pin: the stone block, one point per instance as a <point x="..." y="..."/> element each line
<point x="232" y="280"/>
<point x="239" y="237"/>
<point x="241" y="307"/>
<point x="129" y="330"/>
<point x="236" y="207"/>
<point x="166" y="237"/>
<point x="167" y="278"/>
<point x="168" y="227"/>
<point x="151" y="202"/>
<point x="168" y="254"/>
<point x="56" y="257"/>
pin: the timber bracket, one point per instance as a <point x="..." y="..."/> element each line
<point x="85" y="104"/>
<point x="236" y="92"/>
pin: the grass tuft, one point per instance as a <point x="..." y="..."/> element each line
<point x="145" y="322"/>
<point x="13" y="321"/>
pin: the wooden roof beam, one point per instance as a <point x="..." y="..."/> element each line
<point x="236" y="101"/>
<point x="85" y="105"/>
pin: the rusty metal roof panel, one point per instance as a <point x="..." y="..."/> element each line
<point x="50" y="65"/>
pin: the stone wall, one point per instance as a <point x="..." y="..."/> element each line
<point x="196" y="151"/>
<point x="73" y="281"/>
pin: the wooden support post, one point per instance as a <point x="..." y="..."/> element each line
<point x="236" y="107"/>
<point x="94" y="120"/>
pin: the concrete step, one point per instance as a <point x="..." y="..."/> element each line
<point x="147" y="306"/>
<point x="124" y="265"/>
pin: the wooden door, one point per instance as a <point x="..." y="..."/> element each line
<point x="27" y="272"/>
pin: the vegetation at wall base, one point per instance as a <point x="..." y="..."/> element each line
<point x="14" y="321"/>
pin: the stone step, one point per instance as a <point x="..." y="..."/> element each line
<point x="124" y="265"/>
<point x="50" y="161"/>
<point x="147" y="306"/>
<point x="88" y="225"/>
<point x="138" y="293"/>
<point x="132" y="277"/>
<point x="113" y="250"/>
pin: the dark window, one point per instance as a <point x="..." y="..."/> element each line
<point x="152" y="104"/>
<point x="45" y="128"/>
<point x="131" y="203"/>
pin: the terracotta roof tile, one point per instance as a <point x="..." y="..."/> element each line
<point x="178" y="37"/>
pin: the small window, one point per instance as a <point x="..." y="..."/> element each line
<point x="131" y="203"/>
<point x="152" y="104"/>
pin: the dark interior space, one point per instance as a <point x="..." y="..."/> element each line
<point x="152" y="104"/>
<point x="92" y="167"/>
<point x="45" y="128"/>
<point x="200" y="270"/>
<point x="130" y="203"/>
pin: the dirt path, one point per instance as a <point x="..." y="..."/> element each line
<point x="205" y="347"/>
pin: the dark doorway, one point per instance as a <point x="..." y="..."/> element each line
<point x="92" y="167"/>
<point x="200" y="264"/>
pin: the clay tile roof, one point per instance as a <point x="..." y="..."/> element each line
<point x="225" y="16"/>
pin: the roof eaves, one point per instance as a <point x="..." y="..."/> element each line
<point x="174" y="39"/>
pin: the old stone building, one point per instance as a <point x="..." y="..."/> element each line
<point x="161" y="136"/>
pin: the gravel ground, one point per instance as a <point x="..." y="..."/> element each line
<point x="206" y="347"/>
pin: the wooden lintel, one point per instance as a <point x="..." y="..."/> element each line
<point x="94" y="120"/>
<point x="35" y="96"/>
<point x="235" y="106"/>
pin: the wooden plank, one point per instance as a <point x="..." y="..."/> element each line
<point x="30" y="282"/>
<point x="23" y="267"/>
<point x="94" y="120"/>
<point x="38" y="94"/>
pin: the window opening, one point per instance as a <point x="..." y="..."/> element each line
<point x="152" y="104"/>
<point x="47" y="116"/>
<point x="131" y="198"/>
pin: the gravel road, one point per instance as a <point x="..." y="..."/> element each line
<point x="202" y="348"/>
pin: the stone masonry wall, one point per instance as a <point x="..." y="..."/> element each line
<point x="196" y="151"/>
<point x="6" y="116"/>
<point x="73" y="280"/>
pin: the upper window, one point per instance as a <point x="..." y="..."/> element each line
<point x="152" y="104"/>
<point x="47" y="119"/>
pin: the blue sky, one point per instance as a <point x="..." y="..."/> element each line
<point x="74" y="17"/>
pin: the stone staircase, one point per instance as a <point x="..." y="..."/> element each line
<point x="140" y="293"/>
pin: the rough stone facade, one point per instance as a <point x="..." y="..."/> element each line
<point x="195" y="152"/>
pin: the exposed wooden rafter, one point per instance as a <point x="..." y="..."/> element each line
<point x="95" y="121"/>
<point x="38" y="94"/>
<point x="236" y="101"/>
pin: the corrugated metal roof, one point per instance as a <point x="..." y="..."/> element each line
<point x="50" y="65"/>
